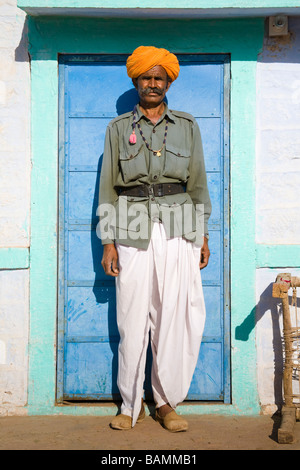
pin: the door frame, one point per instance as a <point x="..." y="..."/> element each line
<point x="63" y="60"/>
<point x="49" y="37"/>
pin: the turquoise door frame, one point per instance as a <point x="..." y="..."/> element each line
<point x="242" y="39"/>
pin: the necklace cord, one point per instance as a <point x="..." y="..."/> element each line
<point x="134" y="124"/>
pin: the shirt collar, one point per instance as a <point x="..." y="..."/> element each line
<point x="167" y="112"/>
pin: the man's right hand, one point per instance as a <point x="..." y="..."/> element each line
<point x="110" y="260"/>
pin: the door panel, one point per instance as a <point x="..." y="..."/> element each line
<point x="93" y="90"/>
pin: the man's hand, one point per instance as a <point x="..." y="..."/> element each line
<point x="205" y="254"/>
<point x="110" y="260"/>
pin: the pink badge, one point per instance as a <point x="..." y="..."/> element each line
<point x="132" y="138"/>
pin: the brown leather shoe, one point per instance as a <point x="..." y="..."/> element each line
<point x="124" y="422"/>
<point x="172" y="422"/>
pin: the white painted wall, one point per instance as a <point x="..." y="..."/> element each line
<point x="278" y="139"/>
<point x="14" y="205"/>
<point x="14" y="299"/>
<point x="14" y="128"/>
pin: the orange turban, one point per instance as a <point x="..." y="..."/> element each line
<point x="145" y="58"/>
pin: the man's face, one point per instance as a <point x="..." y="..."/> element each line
<point x="152" y="86"/>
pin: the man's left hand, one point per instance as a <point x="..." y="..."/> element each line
<point x="205" y="254"/>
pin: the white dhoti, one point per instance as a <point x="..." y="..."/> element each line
<point x="158" y="290"/>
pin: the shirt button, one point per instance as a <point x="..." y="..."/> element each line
<point x="155" y="177"/>
<point x="154" y="131"/>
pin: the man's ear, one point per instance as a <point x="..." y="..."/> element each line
<point x="169" y="83"/>
<point x="134" y="81"/>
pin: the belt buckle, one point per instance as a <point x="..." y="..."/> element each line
<point x="160" y="190"/>
<point x="150" y="190"/>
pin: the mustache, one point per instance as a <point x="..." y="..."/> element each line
<point x="148" y="90"/>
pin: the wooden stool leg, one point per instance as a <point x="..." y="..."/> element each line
<point x="286" y="430"/>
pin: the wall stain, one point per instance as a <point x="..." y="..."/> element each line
<point x="278" y="44"/>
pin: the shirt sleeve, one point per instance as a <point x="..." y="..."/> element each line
<point x="197" y="182"/>
<point x="107" y="193"/>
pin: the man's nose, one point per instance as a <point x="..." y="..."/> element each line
<point x="152" y="83"/>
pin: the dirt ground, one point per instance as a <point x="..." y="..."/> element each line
<point x="206" y="432"/>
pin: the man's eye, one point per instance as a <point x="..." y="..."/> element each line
<point x="157" y="79"/>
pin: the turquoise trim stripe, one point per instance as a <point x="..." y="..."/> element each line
<point x="14" y="258"/>
<point x="202" y="4"/>
<point x="267" y="256"/>
<point x="277" y="256"/>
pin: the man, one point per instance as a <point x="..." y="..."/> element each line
<point x="154" y="208"/>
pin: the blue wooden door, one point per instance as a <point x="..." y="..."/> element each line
<point x="93" y="90"/>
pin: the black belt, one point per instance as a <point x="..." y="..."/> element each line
<point x="158" y="190"/>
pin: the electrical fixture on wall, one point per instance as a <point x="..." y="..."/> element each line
<point x="278" y="25"/>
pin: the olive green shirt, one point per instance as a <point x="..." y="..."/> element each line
<point x="129" y="220"/>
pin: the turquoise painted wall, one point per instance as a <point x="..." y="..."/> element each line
<point x="162" y="3"/>
<point x="48" y="37"/>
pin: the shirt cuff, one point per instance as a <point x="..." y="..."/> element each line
<point x="107" y="241"/>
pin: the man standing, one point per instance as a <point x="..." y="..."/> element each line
<point x="154" y="208"/>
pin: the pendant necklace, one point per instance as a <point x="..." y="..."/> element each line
<point x="132" y="138"/>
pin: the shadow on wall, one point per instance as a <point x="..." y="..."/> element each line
<point x="274" y="305"/>
<point x="21" y="51"/>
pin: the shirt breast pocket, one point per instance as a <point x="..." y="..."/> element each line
<point x="133" y="164"/>
<point x="177" y="163"/>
